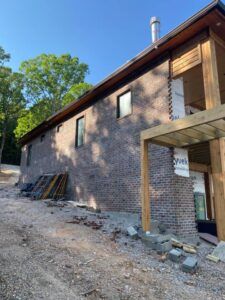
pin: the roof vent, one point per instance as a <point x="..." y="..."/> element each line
<point x="155" y="28"/>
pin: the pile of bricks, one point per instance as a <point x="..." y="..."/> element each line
<point x="160" y="243"/>
<point x="163" y="244"/>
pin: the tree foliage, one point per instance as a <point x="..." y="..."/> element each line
<point x="51" y="82"/>
<point x="12" y="101"/>
<point x="50" y="77"/>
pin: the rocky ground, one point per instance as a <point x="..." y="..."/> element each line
<point x="42" y="256"/>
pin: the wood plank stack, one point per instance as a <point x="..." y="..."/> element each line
<point x="50" y="186"/>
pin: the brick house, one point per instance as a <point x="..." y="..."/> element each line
<point x="97" y="139"/>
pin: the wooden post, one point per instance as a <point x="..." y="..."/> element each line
<point x="217" y="146"/>
<point x="145" y="200"/>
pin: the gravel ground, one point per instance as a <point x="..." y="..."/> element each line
<point x="44" y="257"/>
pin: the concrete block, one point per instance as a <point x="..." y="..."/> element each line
<point x="162" y="228"/>
<point x="175" y="255"/>
<point x="132" y="232"/>
<point x="155" y="226"/>
<point x="162" y="238"/>
<point x="164" y="247"/>
<point x="219" y="251"/>
<point x="190" y="265"/>
<point x="149" y="243"/>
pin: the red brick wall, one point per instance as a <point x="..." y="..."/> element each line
<point x="105" y="171"/>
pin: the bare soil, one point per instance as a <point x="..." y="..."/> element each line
<point x="44" y="257"/>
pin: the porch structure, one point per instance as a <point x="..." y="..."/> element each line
<point x="207" y="125"/>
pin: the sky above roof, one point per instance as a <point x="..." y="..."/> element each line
<point x="103" y="34"/>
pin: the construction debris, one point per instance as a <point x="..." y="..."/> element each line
<point x="186" y="247"/>
<point x="209" y="238"/>
<point x="212" y="258"/>
<point x="48" y="186"/>
<point x="219" y="251"/>
<point x="132" y="232"/>
<point x="175" y="255"/>
<point x="160" y="243"/>
<point x="84" y="221"/>
<point x="190" y="265"/>
<point x="176" y="243"/>
<point x="189" y="249"/>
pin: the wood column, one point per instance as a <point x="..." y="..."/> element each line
<point x="217" y="146"/>
<point x="145" y="200"/>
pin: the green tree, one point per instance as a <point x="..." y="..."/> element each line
<point x="50" y="77"/>
<point x="11" y="101"/>
<point x="11" y="152"/>
<point x="4" y="57"/>
<point x="51" y="82"/>
<point x="76" y="91"/>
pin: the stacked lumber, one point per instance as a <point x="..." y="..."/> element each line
<point x="186" y="247"/>
<point x="50" y="186"/>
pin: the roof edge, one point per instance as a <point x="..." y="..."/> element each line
<point x="77" y="103"/>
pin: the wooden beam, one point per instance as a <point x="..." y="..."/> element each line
<point x="217" y="149"/>
<point x="191" y="121"/>
<point x="183" y="138"/>
<point x="210" y="74"/>
<point x="217" y="146"/>
<point x="198" y="167"/>
<point x="195" y="134"/>
<point x="207" y="129"/>
<point x="220" y="124"/>
<point x="145" y="199"/>
<point x="216" y="38"/>
<point x="167" y="141"/>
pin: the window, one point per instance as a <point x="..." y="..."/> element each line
<point x="29" y="150"/>
<point x="124" y="106"/>
<point x="42" y="137"/>
<point x="59" y="127"/>
<point x="79" y="132"/>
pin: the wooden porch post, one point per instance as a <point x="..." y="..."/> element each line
<point x="145" y="201"/>
<point x="217" y="146"/>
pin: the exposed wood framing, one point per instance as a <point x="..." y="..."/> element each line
<point x="217" y="39"/>
<point x="217" y="146"/>
<point x="145" y="186"/>
<point x="210" y="74"/>
<point x="198" y="167"/>
<point x="208" y="125"/>
<point x="186" y="59"/>
<point x="202" y="126"/>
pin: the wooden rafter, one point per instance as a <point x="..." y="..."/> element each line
<point x="200" y="127"/>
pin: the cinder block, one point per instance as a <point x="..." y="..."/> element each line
<point x="164" y="247"/>
<point x="162" y="238"/>
<point x="132" y="232"/>
<point x="175" y="255"/>
<point x="149" y="243"/>
<point x="190" y="265"/>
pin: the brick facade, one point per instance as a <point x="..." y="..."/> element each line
<point x="105" y="171"/>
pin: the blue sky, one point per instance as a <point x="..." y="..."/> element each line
<point x="102" y="33"/>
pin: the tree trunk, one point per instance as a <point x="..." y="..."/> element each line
<point x="2" y="142"/>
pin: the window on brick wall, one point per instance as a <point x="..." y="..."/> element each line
<point x="29" y="151"/>
<point x="42" y="137"/>
<point x="124" y="105"/>
<point x="79" y="140"/>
